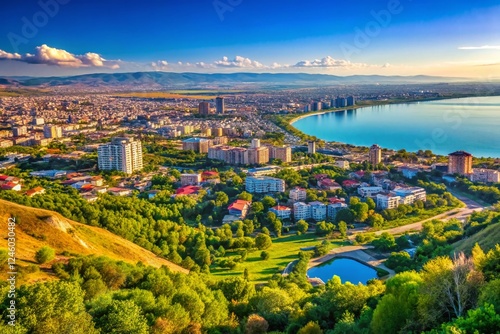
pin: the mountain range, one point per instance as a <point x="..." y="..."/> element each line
<point x="170" y="80"/>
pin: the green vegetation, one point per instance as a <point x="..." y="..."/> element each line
<point x="44" y="255"/>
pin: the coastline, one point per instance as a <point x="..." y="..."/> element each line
<point x="291" y="121"/>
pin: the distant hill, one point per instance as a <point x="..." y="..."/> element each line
<point x="36" y="228"/>
<point x="486" y="238"/>
<point x="170" y="80"/>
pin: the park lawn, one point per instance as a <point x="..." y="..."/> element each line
<point x="283" y="251"/>
<point x="425" y="214"/>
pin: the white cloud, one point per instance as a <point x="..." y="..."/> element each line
<point x="160" y="65"/>
<point x="483" y="47"/>
<point x="329" y="62"/>
<point x="47" y="55"/>
<point x="239" y="62"/>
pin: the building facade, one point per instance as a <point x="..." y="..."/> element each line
<point x="123" y="154"/>
<point x="264" y="184"/>
<point x="375" y="155"/>
<point x="460" y="162"/>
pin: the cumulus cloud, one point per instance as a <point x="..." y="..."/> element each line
<point x="160" y="65"/>
<point x="329" y="62"/>
<point x="483" y="47"/>
<point x="47" y="55"/>
<point x="238" y="61"/>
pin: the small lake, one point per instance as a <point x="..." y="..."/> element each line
<point x="347" y="269"/>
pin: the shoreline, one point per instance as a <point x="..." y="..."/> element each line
<point x="384" y="103"/>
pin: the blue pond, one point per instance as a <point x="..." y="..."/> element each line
<point x="347" y="269"/>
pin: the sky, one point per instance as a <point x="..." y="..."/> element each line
<point x="458" y="38"/>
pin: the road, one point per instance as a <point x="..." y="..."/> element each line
<point x="458" y="213"/>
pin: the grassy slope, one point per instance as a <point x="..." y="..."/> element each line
<point x="283" y="251"/>
<point x="486" y="238"/>
<point x="36" y="228"/>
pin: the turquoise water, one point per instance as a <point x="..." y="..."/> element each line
<point x="348" y="270"/>
<point x="445" y="126"/>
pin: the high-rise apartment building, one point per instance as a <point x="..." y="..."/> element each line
<point x="219" y="105"/>
<point x="204" y="108"/>
<point x="19" y="131"/>
<point x="123" y="154"/>
<point x="284" y="153"/>
<point x="375" y="155"/>
<point x="460" y="162"/>
<point x="199" y="145"/>
<point x="311" y="147"/>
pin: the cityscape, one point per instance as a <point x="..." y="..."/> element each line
<point x="151" y="184"/>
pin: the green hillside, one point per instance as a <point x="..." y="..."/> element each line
<point x="486" y="238"/>
<point x="36" y="228"/>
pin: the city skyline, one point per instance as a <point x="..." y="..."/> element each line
<point x="61" y="37"/>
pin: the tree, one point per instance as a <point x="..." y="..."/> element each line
<point x="257" y="207"/>
<point x="449" y="289"/>
<point x="263" y="241"/>
<point x="376" y="220"/>
<point x="343" y="229"/>
<point x="277" y="227"/>
<point x="264" y="255"/>
<point x="124" y="317"/>
<point x="256" y="325"/>
<point x="344" y="215"/>
<point x="310" y="328"/>
<point x="371" y="203"/>
<point x="360" y="211"/>
<point x="44" y="255"/>
<point x="221" y="198"/>
<point x="268" y="202"/>
<point x="385" y="242"/>
<point x="245" y="196"/>
<point x="302" y="226"/>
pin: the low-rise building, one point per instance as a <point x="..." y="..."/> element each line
<point x="298" y="194"/>
<point x="318" y="211"/>
<point x="369" y="191"/>
<point x="342" y="164"/>
<point x="264" y="184"/>
<point x="387" y="201"/>
<point x="190" y="179"/>
<point x="334" y="208"/>
<point x="282" y="212"/>
<point x="485" y="175"/>
<point x="239" y="208"/>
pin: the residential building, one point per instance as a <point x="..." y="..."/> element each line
<point x="239" y="208"/>
<point x="282" y="212"/>
<point x="318" y="211"/>
<point x="52" y="131"/>
<point x="123" y="154"/>
<point x="284" y="153"/>
<point x="460" y="162"/>
<point x="19" y="131"/>
<point x="199" y="145"/>
<point x="369" y="191"/>
<point x="485" y="175"/>
<point x="311" y="147"/>
<point x="219" y="105"/>
<point x="38" y="121"/>
<point x="217" y="132"/>
<point x="204" y="108"/>
<point x="187" y="190"/>
<point x="387" y="201"/>
<point x="411" y="194"/>
<point x="301" y="210"/>
<point x="375" y="155"/>
<point x="116" y="191"/>
<point x="334" y="208"/>
<point x="264" y="184"/>
<point x="298" y="194"/>
<point x="258" y="155"/>
<point x="342" y="164"/>
<point x="351" y="101"/>
<point x="267" y="170"/>
<point x="190" y="179"/>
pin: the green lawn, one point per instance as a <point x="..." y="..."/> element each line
<point x="283" y="251"/>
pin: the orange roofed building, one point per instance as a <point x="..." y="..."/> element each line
<point x="239" y="208"/>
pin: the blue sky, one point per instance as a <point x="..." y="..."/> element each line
<point x="407" y="37"/>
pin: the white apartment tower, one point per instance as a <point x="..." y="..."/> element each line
<point x="123" y="154"/>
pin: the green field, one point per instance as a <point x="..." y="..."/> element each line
<point x="283" y="251"/>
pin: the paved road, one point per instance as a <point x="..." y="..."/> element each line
<point x="457" y="213"/>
